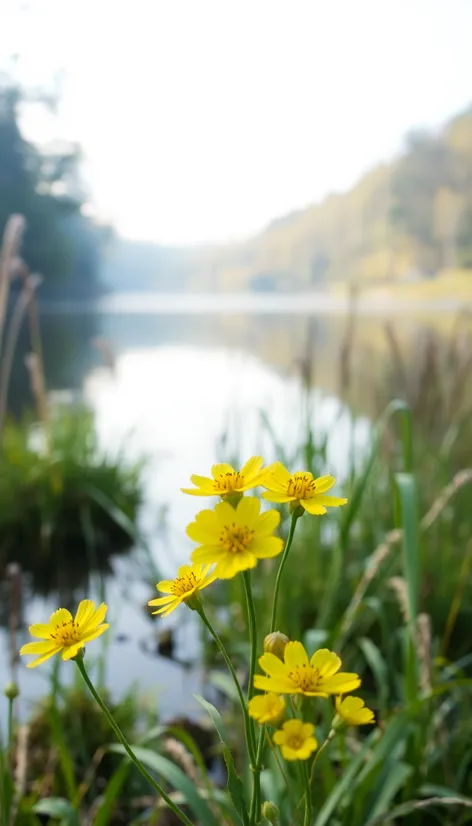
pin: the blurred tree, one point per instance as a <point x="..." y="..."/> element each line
<point x="61" y="242"/>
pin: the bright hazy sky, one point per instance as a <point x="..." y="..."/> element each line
<point x="201" y="120"/>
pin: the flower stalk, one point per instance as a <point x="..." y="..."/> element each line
<point x="121" y="737"/>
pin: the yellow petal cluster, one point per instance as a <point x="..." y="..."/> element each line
<point x="318" y="676"/>
<point x="234" y="539"/>
<point x="189" y="580"/>
<point x="226" y="480"/>
<point x="66" y="633"/>
<point x="296" y="740"/>
<point x="352" y="711"/>
<point x="300" y="488"/>
<point x="267" y="708"/>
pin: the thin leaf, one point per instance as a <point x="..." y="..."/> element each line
<point x="177" y="779"/>
<point x="414" y="805"/>
<point x="234" y="785"/>
<point x="59" y="809"/>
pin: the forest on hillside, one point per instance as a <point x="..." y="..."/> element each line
<point x="407" y="220"/>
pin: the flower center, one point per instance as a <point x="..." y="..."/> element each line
<point x="236" y="539"/>
<point x="294" y="741"/>
<point x="305" y="678"/>
<point x="301" y="486"/>
<point x="66" y="634"/>
<point x="228" y="482"/>
<point x="183" y="584"/>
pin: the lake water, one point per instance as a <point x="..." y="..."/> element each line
<point x="187" y="389"/>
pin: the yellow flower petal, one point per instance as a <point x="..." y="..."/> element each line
<point x="295" y="656"/>
<point x="252" y="467"/>
<point x="41" y="630"/>
<point x="162" y="600"/>
<point x="326" y="661"/>
<point x="37" y="647"/>
<point x="341" y="683"/>
<point x="313" y="507"/>
<point x="277" y="476"/>
<point x="97" y="617"/>
<point x="208" y="554"/>
<point x="247" y="511"/>
<point x="84" y="612"/>
<point x="275" y="496"/>
<point x="221" y="470"/>
<point x="267" y="523"/>
<point x="272" y="665"/>
<point x="202" y="481"/>
<point x="330" y="501"/>
<point x="280" y="685"/>
<point x="60" y="617"/>
<point x="324" y="483"/>
<point x="94" y="633"/>
<point x="71" y="651"/>
<point x="229" y="567"/>
<point x="267" y="547"/>
<point x="44" y="657"/>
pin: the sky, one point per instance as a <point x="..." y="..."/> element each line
<point x="202" y="120"/>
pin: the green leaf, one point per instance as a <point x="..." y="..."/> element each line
<point x="408" y="502"/>
<point x="225" y="684"/>
<point x="177" y="779"/>
<point x="352" y="507"/>
<point x="235" y="786"/>
<point x="59" y="809"/>
<point x="414" y="805"/>
<point x="378" y="666"/>
<point x="112" y="790"/>
<point x="345" y="783"/>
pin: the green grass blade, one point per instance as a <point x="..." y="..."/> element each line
<point x="112" y="790"/>
<point x="235" y="786"/>
<point x="59" y="809"/>
<point x="350" y="511"/>
<point x="408" y="513"/>
<point x="177" y="779"/>
<point x="344" y="784"/>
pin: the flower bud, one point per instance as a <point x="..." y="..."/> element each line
<point x="270" y="812"/>
<point x="275" y="644"/>
<point x="11" y="691"/>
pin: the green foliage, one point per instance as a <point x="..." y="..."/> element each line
<point x="66" y="506"/>
<point x="60" y="242"/>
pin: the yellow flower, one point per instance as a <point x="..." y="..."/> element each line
<point x="316" y="677"/>
<point x="226" y="480"/>
<point x="267" y="708"/>
<point x="300" y="488"/>
<point x="352" y="711"/>
<point x="296" y="739"/>
<point x="235" y="538"/>
<point x="66" y="633"/>
<point x="189" y="580"/>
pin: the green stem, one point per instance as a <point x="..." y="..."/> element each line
<point x="256" y="793"/>
<point x="229" y="664"/>
<point x="10" y="733"/>
<point x="252" y="623"/>
<point x="256" y="789"/>
<point x="288" y="545"/>
<point x="308" y="807"/>
<point x="330" y="736"/>
<point x="176" y="809"/>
